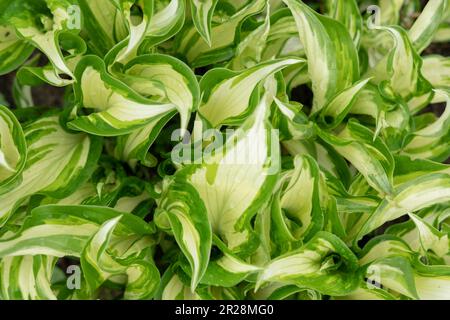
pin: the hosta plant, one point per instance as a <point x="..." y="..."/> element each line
<point x="224" y="149"/>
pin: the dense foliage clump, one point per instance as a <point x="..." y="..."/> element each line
<point x="224" y="149"/>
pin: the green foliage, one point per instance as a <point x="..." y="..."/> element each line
<point x="185" y="164"/>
